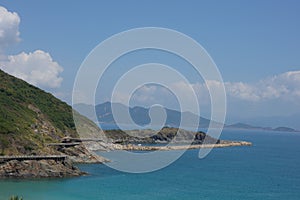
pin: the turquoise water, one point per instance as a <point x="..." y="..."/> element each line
<point x="270" y="169"/>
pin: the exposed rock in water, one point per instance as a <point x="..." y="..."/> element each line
<point x="38" y="169"/>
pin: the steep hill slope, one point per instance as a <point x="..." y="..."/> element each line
<point x="30" y="118"/>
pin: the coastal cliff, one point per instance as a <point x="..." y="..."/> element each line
<point x="30" y="119"/>
<point x="47" y="168"/>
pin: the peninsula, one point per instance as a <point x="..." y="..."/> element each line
<point x="167" y="138"/>
<point x="38" y="136"/>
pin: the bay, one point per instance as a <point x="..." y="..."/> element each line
<point x="267" y="170"/>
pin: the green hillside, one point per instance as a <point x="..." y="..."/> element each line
<point x="30" y="118"/>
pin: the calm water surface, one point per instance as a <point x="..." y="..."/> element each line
<point x="270" y="169"/>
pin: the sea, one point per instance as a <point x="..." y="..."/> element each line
<point x="270" y="169"/>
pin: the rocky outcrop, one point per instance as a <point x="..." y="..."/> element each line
<point x="165" y="135"/>
<point x="80" y="154"/>
<point x="39" y="169"/>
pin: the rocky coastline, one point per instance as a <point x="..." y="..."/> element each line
<point x="84" y="152"/>
<point x="131" y="147"/>
<point x="50" y="168"/>
<point x="47" y="168"/>
<point x="43" y="131"/>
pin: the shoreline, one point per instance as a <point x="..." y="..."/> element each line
<point x="44" y="168"/>
<point x="48" y="167"/>
<point x="60" y="165"/>
<point x="131" y="147"/>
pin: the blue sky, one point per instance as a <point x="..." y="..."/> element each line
<point x="255" y="44"/>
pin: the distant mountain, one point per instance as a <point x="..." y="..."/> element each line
<point x="139" y="115"/>
<point x="245" y="126"/>
<point x="274" y="121"/>
<point x="285" y="129"/>
<point x="250" y="127"/>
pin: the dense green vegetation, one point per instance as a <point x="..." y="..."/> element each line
<point x="23" y="111"/>
<point x="15" y="95"/>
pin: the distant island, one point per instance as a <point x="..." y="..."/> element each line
<point x="250" y="127"/>
<point x="38" y="137"/>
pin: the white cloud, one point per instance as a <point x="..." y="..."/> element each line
<point x="241" y="90"/>
<point x="9" y="28"/>
<point x="151" y="94"/>
<point x="188" y="89"/>
<point x="283" y="86"/>
<point x="37" y="68"/>
<point x="146" y="95"/>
